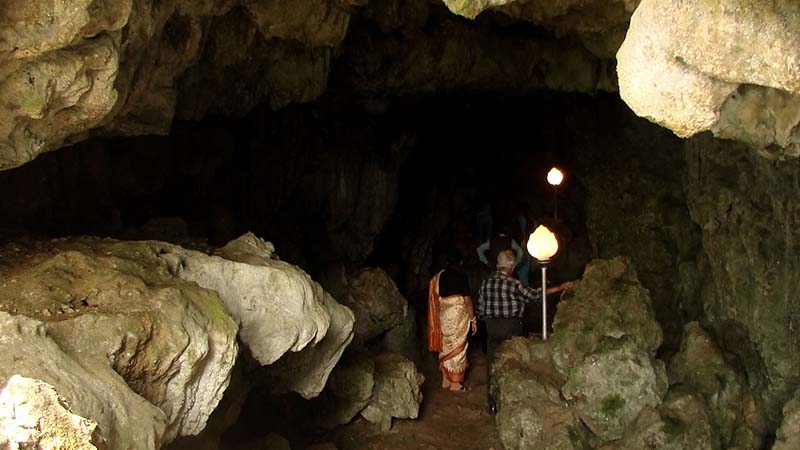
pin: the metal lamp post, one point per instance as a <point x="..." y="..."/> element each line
<point x="542" y="245"/>
<point x="555" y="177"/>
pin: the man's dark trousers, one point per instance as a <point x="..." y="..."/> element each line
<point x="497" y="331"/>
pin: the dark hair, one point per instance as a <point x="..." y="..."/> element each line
<point x="453" y="257"/>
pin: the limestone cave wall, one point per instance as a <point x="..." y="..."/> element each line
<point x="633" y="173"/>
<point x="746" y="208"/>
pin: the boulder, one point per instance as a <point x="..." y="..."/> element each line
<point x="711" y="372"/>
<point x="403" y="339"/>
<point x="682" y="422"/>
<point x="610" y="387"/>
<point x="607" y="305"/>
<point x="151" y="312"/>
<point x="372" y="295"/>
<point x="788" y="435"/>
<point x="531" y="410"/>
<point x="348" y="391"/>
<point x="306" y="372"/>
<point x="92" y="390"/>
<point x="32" y="415"/>
<point x="113" y="303"/>
<point x="279" y="307"/>
<point x="397" y="391"/>
<point x="685" y="66"/>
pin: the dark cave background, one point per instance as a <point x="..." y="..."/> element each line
<point x="328" y="182"/>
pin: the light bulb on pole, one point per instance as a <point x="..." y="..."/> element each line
<point x="542" y="245"/>
<point x="555" y="177"/>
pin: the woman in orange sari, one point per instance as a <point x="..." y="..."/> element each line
<point x="450" y="318"/>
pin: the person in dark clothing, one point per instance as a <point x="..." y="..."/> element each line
<point x="450" y="318"/>
<point x="501" y="241"/>
<point x="501" y="302"/>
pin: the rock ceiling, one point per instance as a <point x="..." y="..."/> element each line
<point x="77" y="68"/>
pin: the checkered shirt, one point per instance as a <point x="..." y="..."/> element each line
<point x="503" y="296"/>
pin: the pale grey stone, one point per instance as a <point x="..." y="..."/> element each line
<point x="397" y="391"/>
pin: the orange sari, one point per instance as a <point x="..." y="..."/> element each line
<point x="448" y="329"/>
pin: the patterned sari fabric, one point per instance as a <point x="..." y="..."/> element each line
<point x="448" y="328"/>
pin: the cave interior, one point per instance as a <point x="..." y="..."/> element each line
<point x="162" y="202"/>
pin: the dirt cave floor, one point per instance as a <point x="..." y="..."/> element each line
<point x="447" y="420"/>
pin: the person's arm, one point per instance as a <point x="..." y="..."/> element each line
<point x="517" y="251"/>
<point x="482" y="249"/>
<point x="560" y="288"/>
<point x="529" y="294"/>
<point x="473" y="321"/>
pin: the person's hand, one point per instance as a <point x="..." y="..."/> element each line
<point x="474" y="326"/>
<point x="567" y="285"/>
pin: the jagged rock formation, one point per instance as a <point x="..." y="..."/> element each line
<point x="599" y="24"/>
<point x="604" y="341"/>
<point x="636" y="207"/>
<point x="746" y="208"/>
<point x="617" y="398"/>
<point x="608" y="306"/>
<point x="732" y="68"/>
<point x="123" y="310"/>
<point x="429" y="63"/>
<point x="129" y="69"/>
<point x="532" y="413"/>
<point x="113" y="304"/>
<point x="713" y="373"/>
<point x="32" y="415"/>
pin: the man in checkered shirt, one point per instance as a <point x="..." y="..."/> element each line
<point x="501" y="301"/>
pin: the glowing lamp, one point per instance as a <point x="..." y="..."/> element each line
<point x="542" y="244"/>
<point x="555" y="177"/>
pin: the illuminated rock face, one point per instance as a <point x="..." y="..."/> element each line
<point x="729" y="67"/>
<point x="129" y="68"/>
<point x="91" y="388"/>
<point x="157" y="320"/>
<point x="32" y="415"/>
